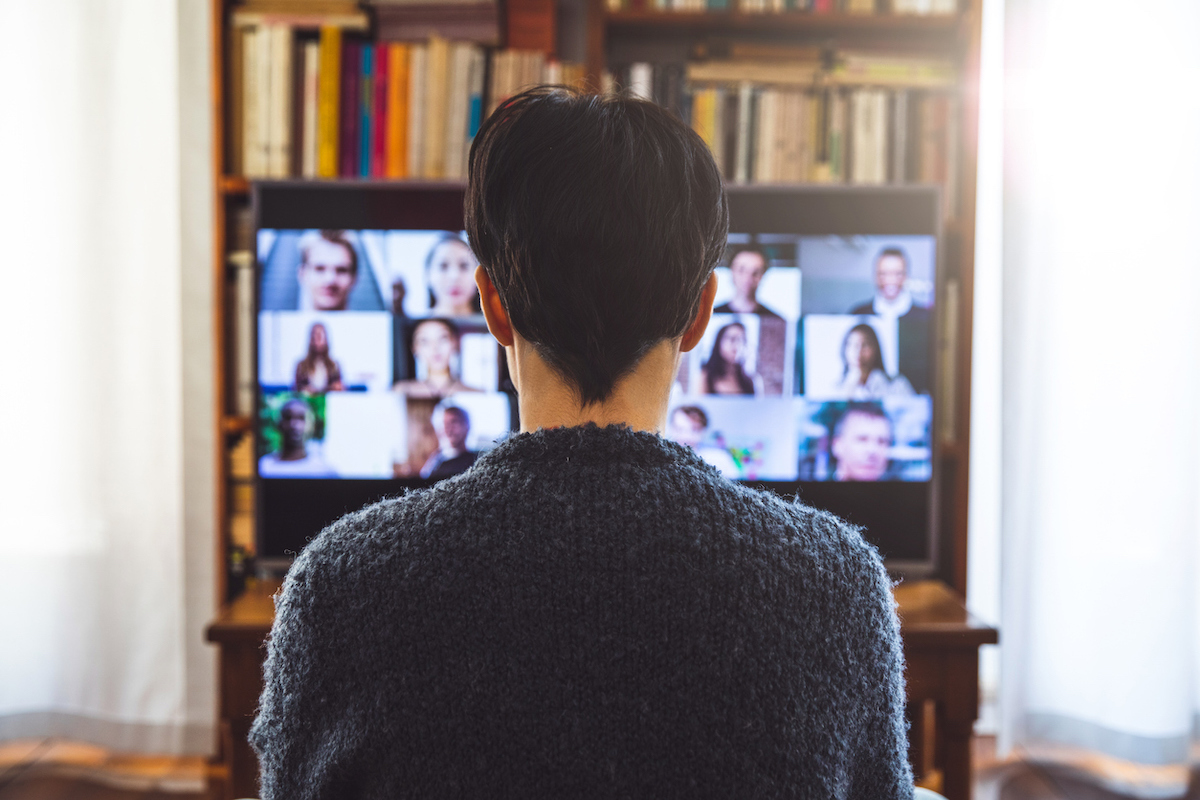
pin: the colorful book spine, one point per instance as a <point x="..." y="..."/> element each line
<point x="397" y="116"/>
<point x="328" y="91"/>
<point x="381" y="111"/>
<point x="348" y="136"/>
<point x="366" y="104"/>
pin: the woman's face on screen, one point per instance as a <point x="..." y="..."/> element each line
<point x="733" y="345"/>
<point x="319" y="339"/>
<point x="452" y="274"/>
<point x="858" y="352"/>
<point x="434" y="346"/>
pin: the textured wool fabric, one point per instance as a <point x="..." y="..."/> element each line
<point x="587" y="612"/>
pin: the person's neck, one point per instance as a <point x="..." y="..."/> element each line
<point x="439" y="379"/>
<point x="639" y="400"/>
<point x="297" y="453"/>
<point x="744" y="305"/>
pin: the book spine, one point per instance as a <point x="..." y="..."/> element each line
<point x="308" y="136"/>
<point x="475" y="100"/>
<point x="899" y="126"/>
<point x="641" y="80"/>
<point x="348" y="133"/>
<point x="263" y="62"/>
<point x="366" y="111"/>
<point x="250" y="90"/>
<point x="235" y="146"/>
<point x="745" y="112"/>
<point x="281" y="91"/>
<point x="417" y="66"/>
<point x="437" y="88"/>
<point x="243" y="325"/>
<point x="397" y="119"/>
<point x="456" y="109"/>
<point x="718" y="127"/>
<point x="328" y="91"/>
<point x="381" y="112"/>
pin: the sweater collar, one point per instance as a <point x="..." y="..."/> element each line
<point x="590" y="444"/>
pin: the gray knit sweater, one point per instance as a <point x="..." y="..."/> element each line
<point x="586" y="612"/>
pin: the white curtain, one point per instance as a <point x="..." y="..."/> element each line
<point x="105" y="500"/>
<point x="1100" y="450"/>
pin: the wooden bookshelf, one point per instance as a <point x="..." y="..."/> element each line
<point x="954" y="37"/>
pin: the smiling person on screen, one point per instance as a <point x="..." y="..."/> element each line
<point x="590" y="610"/>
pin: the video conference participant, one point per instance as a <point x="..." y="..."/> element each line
<point x="294" y="458"/>
<point x="862" y="437"/>
<point x="725" y="370"/>
<point x="437" y="353"/>
<point x="590" y="611"/>
<point x="689" y="427"/>
<point x="893" y="300"/>
<point x="327" y="272"/>
<point x="318" y="372"/>
<point x="452" y="424"/>
<point x="450" y="273"/>
<point x="746" y="269"/>
<point x="863" y="373"/>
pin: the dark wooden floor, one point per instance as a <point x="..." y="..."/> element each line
<point x="62" y="773"/>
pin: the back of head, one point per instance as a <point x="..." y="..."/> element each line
<point x="598" y="218"/>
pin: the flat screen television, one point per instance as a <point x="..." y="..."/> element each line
<point x="815" y="378"/>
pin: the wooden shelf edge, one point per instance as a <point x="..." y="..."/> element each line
<point x="235" y="424"/>
<point x="233" y="185"/>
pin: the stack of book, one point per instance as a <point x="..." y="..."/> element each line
<point x="458" y="20"/>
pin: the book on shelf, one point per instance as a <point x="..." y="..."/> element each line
<point x="532" y="25"/>
<point x="322" y="102"/>
<point x="477" y="22"/>
<point x="242" y="299"/>
<point x="793" y="121"/>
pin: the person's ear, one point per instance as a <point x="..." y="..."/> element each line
<point x="695" y="331"/>
<point x="493" y="309"/>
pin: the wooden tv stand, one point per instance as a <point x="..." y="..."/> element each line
<point x="941" y="650"/>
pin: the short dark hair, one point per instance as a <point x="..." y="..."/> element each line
<point x="892" y="251"/>
<point x="599" y="219"/>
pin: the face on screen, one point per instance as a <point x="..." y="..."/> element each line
<point x="327" y="274"/>
<point x="452" y="278"/>
<point x="890" y="274"/>
<point x="816" y="364"/>
<point x="860" y="444"/>
<point x="373" y="359"/>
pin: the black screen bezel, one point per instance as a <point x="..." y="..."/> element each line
<point x="897" y="517"/>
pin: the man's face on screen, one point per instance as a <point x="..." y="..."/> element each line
<point x="327" y="275"/>
<point x="455" y="428"/>
<point x="861" y="447"/>
<point x="746" y="271"/>
<point x="293" y="423"/>
<point x="890" y="274"/>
